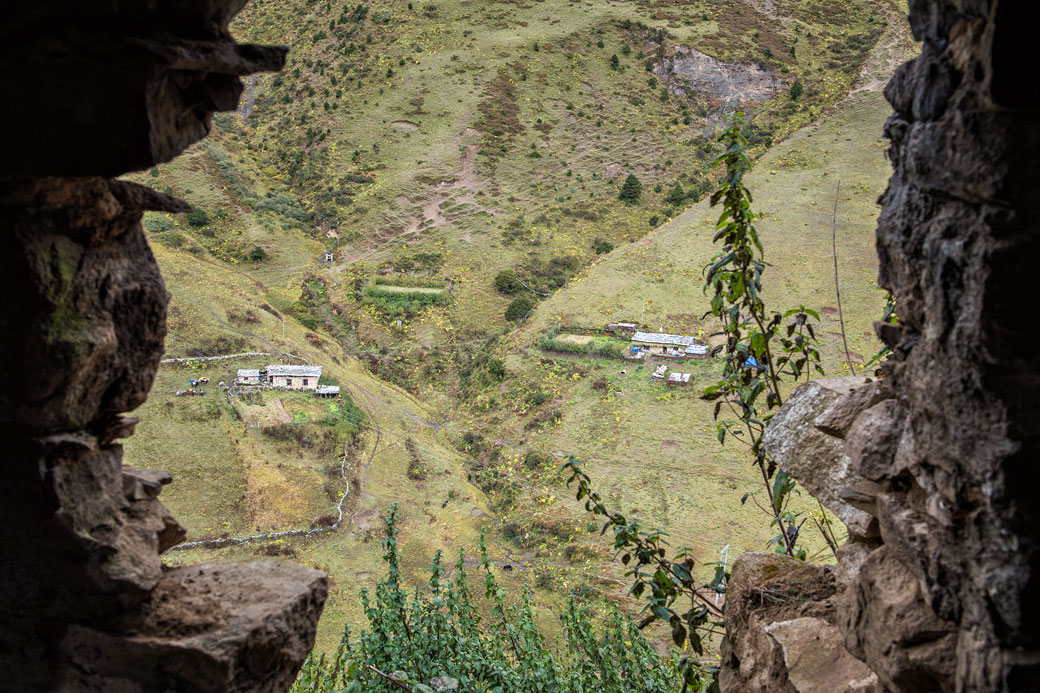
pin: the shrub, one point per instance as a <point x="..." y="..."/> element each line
<point x="417" y="469"/>
<point x="603" y="247"/>
<point x="171" y="239"/>
<point x="257" y="254"/>
<point x="796" y="90"/>
<point x="198" y="218"/>
<point x="157" y="222"/>
<point x="631" y="190"/>
<point x="506" y="282"/>
<point x="518" y="308"/>
<point x="503" y="650"/>
<point x="615" y="63"/>
<point x="534" y="459"/>
<point x="496" y="368"/>
<point x="676" y="195"/>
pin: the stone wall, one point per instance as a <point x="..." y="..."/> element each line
<point x="95" y="90"/>
<point x="933" y="468"/>
<point x="957" y="236"/>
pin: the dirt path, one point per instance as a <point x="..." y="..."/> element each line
<point x="891" y="51"/>
<point x="283" y="416"/>
<point x="462" y="189"/>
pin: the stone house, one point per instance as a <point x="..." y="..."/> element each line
<point x="247" y="376"/>
<point x="674" y="345"/>
<point x="293" y="377"/>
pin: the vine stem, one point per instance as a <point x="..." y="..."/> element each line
<point x="837" y="287"/>
<point x="396" y="682"/>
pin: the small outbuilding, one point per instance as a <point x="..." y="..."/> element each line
<point x="248" y="376"/>
<point x="678" y="379"/>
<point x="293" y="377"/>
<point x="327" y="391"/>
<point x="697" y="351"/>
<point x="623" y="329"/>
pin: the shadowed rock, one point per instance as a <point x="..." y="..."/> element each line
<point x="105" y="88"/>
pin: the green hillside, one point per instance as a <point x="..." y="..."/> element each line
<point x="429" y="146"/>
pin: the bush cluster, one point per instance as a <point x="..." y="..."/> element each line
<point x="435" y="639"/>
<point x="518" y="308"/>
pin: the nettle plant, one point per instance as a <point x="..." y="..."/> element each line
<point x="435" y="639"/>
<point x="764" y="348"/>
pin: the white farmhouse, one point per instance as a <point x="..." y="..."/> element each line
<point x="294" y="377"/>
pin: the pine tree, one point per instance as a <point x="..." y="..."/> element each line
<point x="631" y="190"/>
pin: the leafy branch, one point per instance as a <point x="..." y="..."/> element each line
<point x="763" y="348"/>
<point x="665" y="581"/>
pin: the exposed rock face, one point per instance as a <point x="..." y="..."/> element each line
<point x="86" y="604"/>
<point x="730" y="85"/>
<point x="939" y="592"/>
<point x="958" y="230"/>
<point x="836" y="435"/>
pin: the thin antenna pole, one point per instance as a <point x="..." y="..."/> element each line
<point x="837" y="288"/>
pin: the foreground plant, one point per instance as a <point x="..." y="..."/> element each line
<point x="764" y="349"/>
<point x="436" y="640"/>
<point x="664" y="581"/>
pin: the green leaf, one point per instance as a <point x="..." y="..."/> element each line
<point x="782" y="485"/>
<point x="678" y="635"/>
<point x="682" y="572"/>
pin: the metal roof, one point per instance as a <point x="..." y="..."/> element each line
<point x="327" y="390"/>
<point x="697" y="349"/>
<point x="660" y="338"/>
<point x="248" y="373"/>
<point x="305" y="371"/>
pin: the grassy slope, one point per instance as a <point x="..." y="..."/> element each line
<point x="406" y="159"/>
<point x="233" y="479"/>
<point x="651" y="450"/>
<point x="229" y="478"/>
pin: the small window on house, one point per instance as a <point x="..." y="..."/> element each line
<point x="288" y="382"/>
<point x="305" y="382"/>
